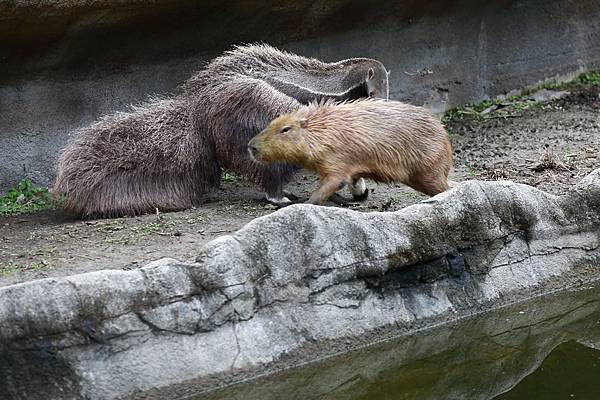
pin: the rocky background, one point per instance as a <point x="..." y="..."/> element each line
<point x="66" y="63"/>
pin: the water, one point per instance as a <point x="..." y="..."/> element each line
<point x="571" y="371"/>
<point x="546" y="349"/>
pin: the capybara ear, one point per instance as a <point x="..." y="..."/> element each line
<point x="303" y="123"/>
<point x="370" y="74"/>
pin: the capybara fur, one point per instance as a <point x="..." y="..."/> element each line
<point x="386" y="141"/>
<point x="166" y="154"/>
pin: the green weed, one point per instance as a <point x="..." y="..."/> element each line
<point x="7" y="269"/>
<point x="471" y="110"/>
<point x="592" y="77"/>
<point x="518" y="103"/>
<point x="230" y="177"/>
<point x="25" y="198"/>
<point x="472" y="172"/>
<point x="552" y="84"/>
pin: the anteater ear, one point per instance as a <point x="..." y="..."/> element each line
<point x="303" y="123"/>
<point x="370" y="74"/>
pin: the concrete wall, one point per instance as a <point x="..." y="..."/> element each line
<point x="64" y="64"/>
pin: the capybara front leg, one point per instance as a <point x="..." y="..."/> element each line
<point x="327" y="188"/>
<point x="358" y="190"/>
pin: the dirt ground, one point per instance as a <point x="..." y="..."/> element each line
<point x="550" y="146"/>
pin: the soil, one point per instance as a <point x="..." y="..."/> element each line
<point x="550" y="145"/>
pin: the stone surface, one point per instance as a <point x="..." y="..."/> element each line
<point x="297" y="285"/>
<point x="547" y="95"/>
<point x="66" y="63"/>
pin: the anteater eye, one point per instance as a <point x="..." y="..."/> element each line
<point x="285" y="129"/>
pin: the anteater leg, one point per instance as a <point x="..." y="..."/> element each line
<point x="273" y="179"/>
<point x="329" y="185"/>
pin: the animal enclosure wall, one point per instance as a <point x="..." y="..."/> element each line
<point x="66" y="63"/>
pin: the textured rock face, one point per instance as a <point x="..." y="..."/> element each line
<point x="293" y="286"/>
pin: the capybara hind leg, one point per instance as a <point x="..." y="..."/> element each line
<point x="327" y="188"/>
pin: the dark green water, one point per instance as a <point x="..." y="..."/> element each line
<point x="544" y="349"/>
<point x="571" y="371"/>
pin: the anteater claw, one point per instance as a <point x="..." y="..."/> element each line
<point x="290" y="196"/>
<point x="279" y="201"/>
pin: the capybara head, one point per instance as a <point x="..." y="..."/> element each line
<point x="282" y="139"/>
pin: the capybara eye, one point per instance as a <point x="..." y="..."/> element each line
<point x="285" y="129"/>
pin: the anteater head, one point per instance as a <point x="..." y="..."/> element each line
<point x="364" y="78"/>
<point x="283" y="140"/>
<point x="376" y="81"/>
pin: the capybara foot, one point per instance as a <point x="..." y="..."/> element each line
<point x="343" y="201"/>
<point x="452" y="184"/>
<point x="358" y="190"/>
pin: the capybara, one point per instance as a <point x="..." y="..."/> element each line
<point x="386" y="141"/>
<point x="166" y="154"/>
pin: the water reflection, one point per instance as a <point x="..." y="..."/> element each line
<point x="571" y="371"/>
<point x="479" y="358"/>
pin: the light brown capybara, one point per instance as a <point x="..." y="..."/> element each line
<point x="386" y="141"/>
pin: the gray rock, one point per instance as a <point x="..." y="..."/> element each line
<point x="299" y="284"/>
<point x="547" y="95"/>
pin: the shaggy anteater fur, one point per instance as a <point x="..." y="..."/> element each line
<point x="386" y="141"/>
<point x="167" y="153"/>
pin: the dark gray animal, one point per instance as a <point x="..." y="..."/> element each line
<point x="167" y="153"/>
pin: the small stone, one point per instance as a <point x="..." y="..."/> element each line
<point x="547" y="95"/>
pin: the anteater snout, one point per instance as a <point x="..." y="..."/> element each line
<point x="253" y="150"/>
